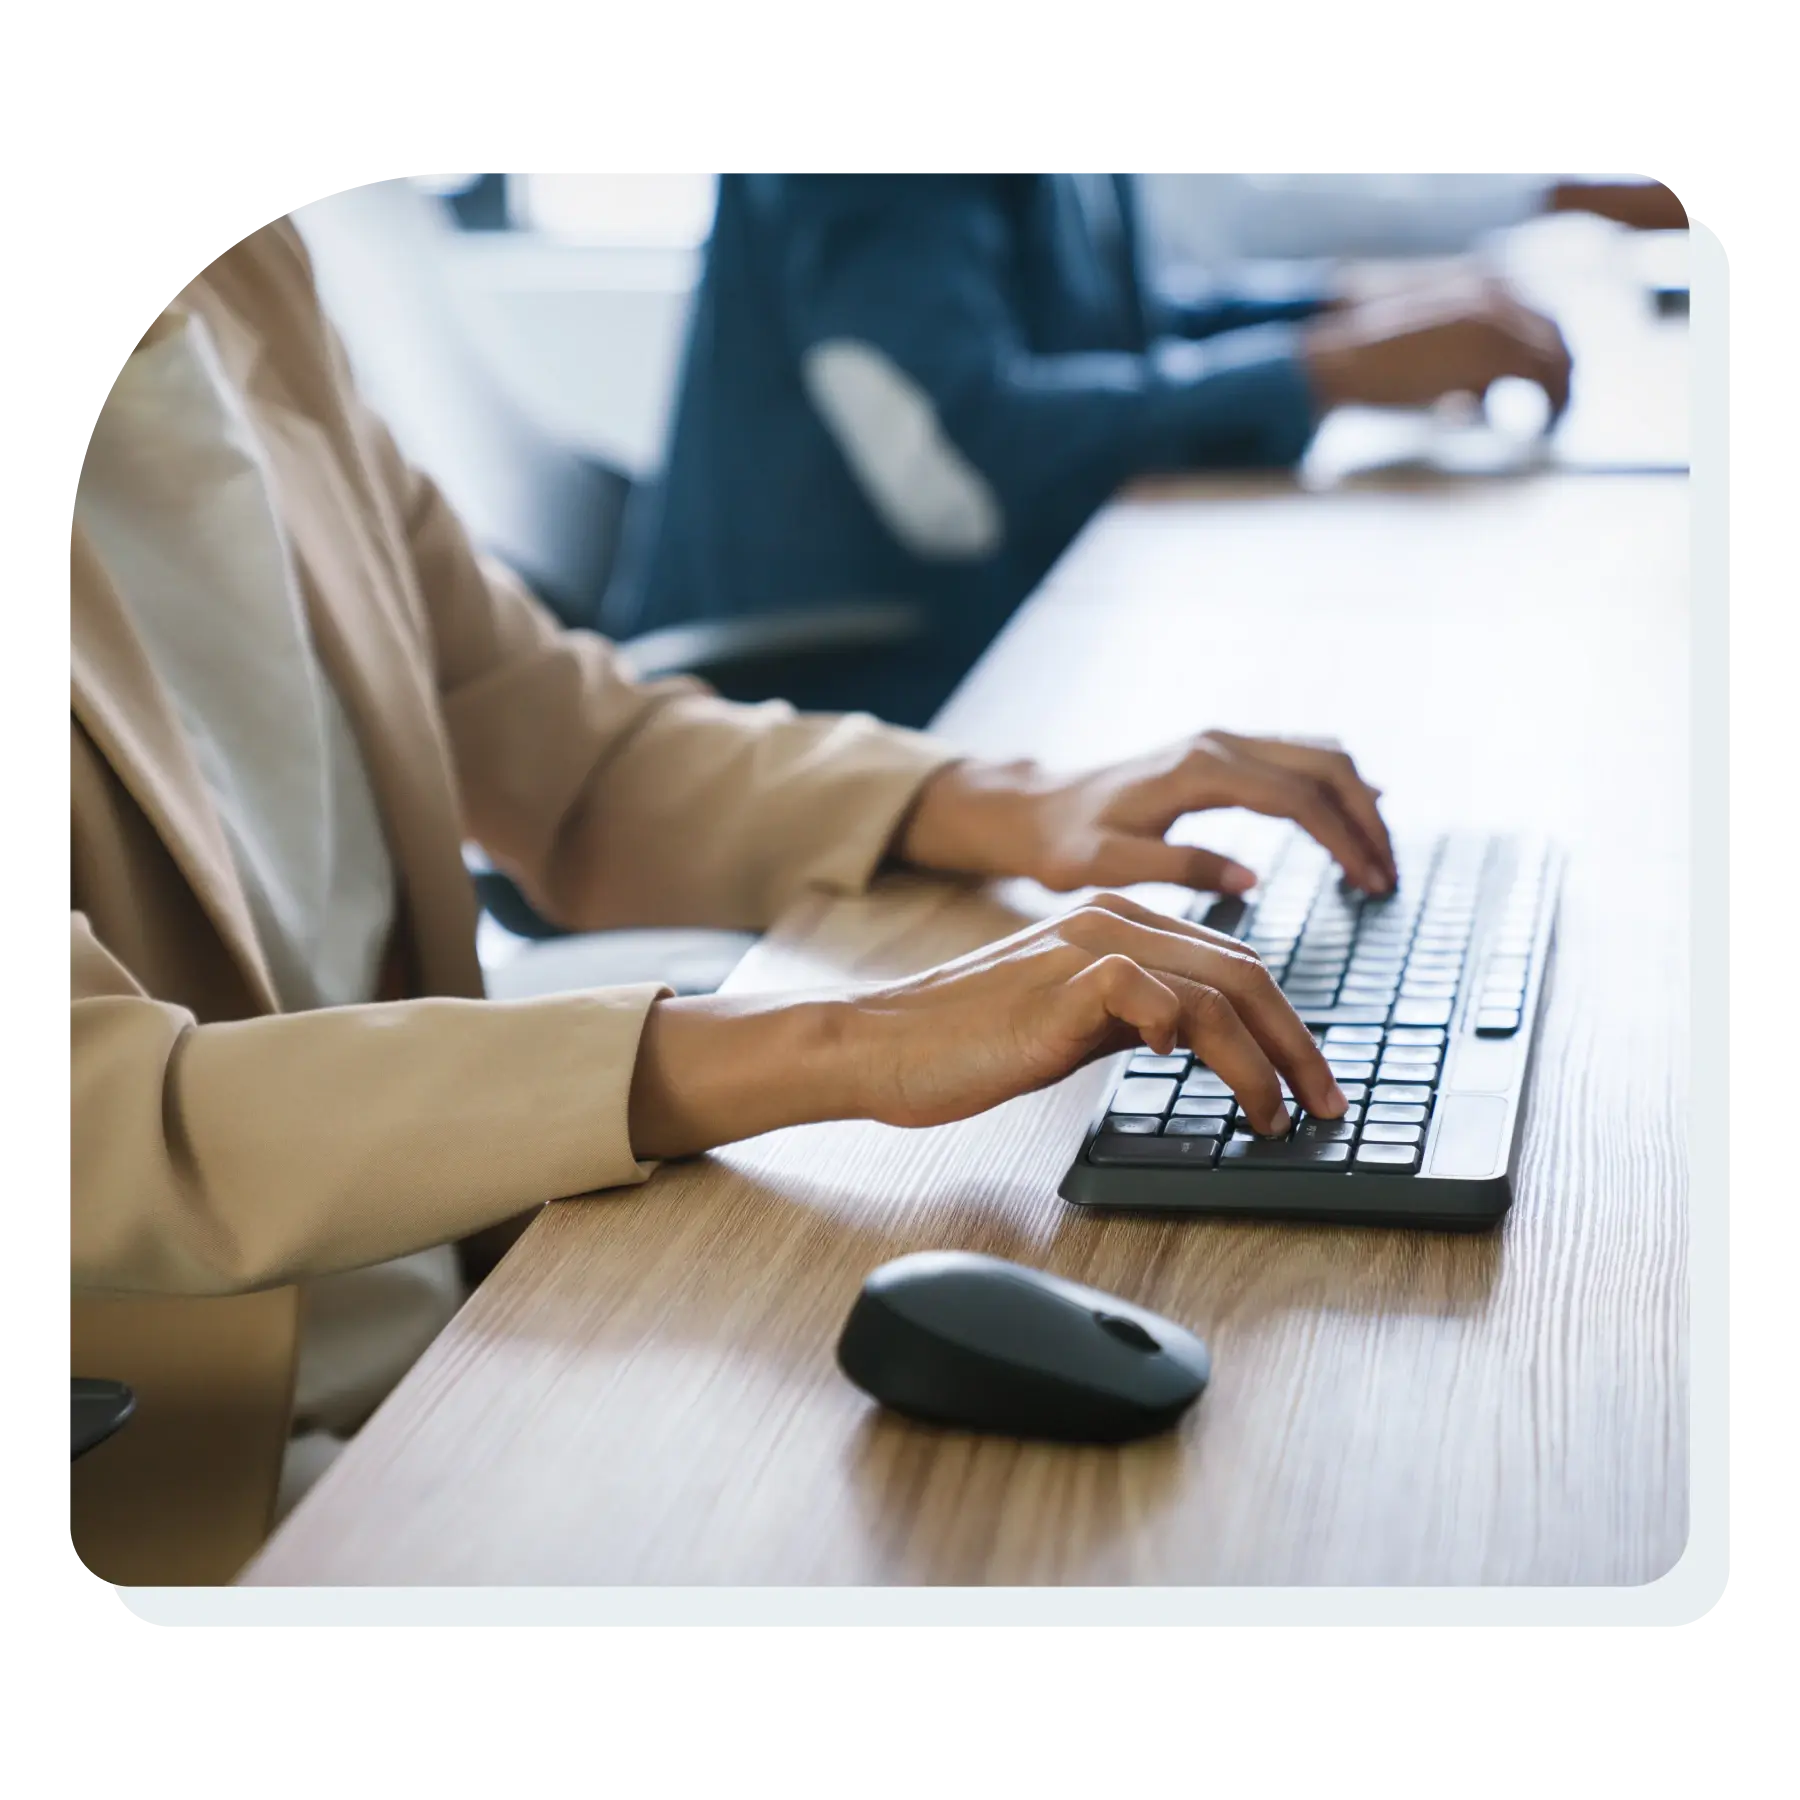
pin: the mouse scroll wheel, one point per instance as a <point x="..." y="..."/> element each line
<point x="1127" y="1331"/>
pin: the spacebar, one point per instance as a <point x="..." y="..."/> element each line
<point x="1284" y="1153"/>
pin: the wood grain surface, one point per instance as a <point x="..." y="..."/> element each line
<point x="645" y="1391"/>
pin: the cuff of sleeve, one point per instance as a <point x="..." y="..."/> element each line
<point x="1244" y="398"/>
<point x="585" y="1051"/>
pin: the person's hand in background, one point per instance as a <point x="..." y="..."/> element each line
<point x="1423" y="343"/>
<point x="1642" y="205"/>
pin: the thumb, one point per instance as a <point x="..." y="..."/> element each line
<point x="1123" y="860"/>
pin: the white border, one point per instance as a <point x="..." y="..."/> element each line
<point x="1687" y="1593"/>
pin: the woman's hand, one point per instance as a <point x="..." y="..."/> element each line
<point x="1009" y="1019"/>
<point x="1022" y="1013"/>
<point x="1109" y="828"/>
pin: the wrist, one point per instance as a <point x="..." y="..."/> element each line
<point x="1330" y="363"/>
<point x="715" y="1069"/>
<point x="977" y="818"/>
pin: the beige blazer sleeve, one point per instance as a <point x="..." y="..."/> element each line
<point x="213" y="1157"/>
<point x="218" y="1158"/>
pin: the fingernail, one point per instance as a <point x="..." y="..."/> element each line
<point x="1335" y="1096"/>
<point x="1236" y="879"/>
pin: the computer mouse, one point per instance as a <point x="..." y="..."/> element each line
<point x="951" y="1338"/>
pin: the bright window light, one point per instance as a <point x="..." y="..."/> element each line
<point x="444" y="185"/>
<point x="653" y="212"/>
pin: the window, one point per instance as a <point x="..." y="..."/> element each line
<point x="628" y="212"/>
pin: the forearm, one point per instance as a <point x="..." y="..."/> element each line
<point x="1195" y="309"/>
<point x="1054" y="437"/>
<point x="722" y="816"/>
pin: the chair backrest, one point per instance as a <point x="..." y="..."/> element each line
<point x="547" y="510"/>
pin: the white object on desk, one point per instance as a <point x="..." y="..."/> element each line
<point x="1629" y="398"/>
<point x="691" y="962"/>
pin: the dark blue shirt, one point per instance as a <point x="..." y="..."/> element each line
<point x="1014" y="304"/>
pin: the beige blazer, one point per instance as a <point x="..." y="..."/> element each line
<point x="222" y="1152"/>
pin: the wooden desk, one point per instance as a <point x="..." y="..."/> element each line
<point x="645" y="1391"/>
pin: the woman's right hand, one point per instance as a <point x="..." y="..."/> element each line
<point x="1010" y="1018"/>
<point x="1021" y="1014"/>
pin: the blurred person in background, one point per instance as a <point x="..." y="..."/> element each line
<point x="920" y="388"/>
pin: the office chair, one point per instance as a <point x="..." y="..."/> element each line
<point x="552" y="513"/>
<point x="97" y="1409"/>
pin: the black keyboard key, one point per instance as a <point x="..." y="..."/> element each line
<point x="1203" y="1084"/>
<point x="1349" y="1071"/>
<point x="1165" y="1152"/>
<point x="1388" y="1114"/>
<point x="1400" y="1094"/>
<point x="1319" y="956"/>
<point x="1381" y="947"/>
<point x="1392" y="1134"/>
<point x="1283" y="1153"/>
<point x="1496" y="1021"/>
<point x="1354" y="1091"/>
<point x="1384" y="1156"/>
<point x="1133" y="1124"/>
<point x="1423" y="1074"/>
<point x="1301" y="995"/>
<point x="1413" y="1036"/>
<point x="1334" y="1131"/>
<point x="1240" y="1125"/>
<point x="1353" y="1034"/>
<point x="1145" y="1064"/>
<point x="1196" y="1127"/>
<point x="1210" y="1106"/>
<point x="1134" y="1095"/>
<point x="1348" y="1015"/>
<point x="1422" y="1012"/>
<point x="1392" y="1069"/>
<point x="1226" y="914"/>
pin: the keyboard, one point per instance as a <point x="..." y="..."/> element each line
<point x="1425" y="1003"/>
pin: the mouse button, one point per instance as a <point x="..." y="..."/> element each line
<point x="1127" y="1331"/>
<point x="966" y="1305"/>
